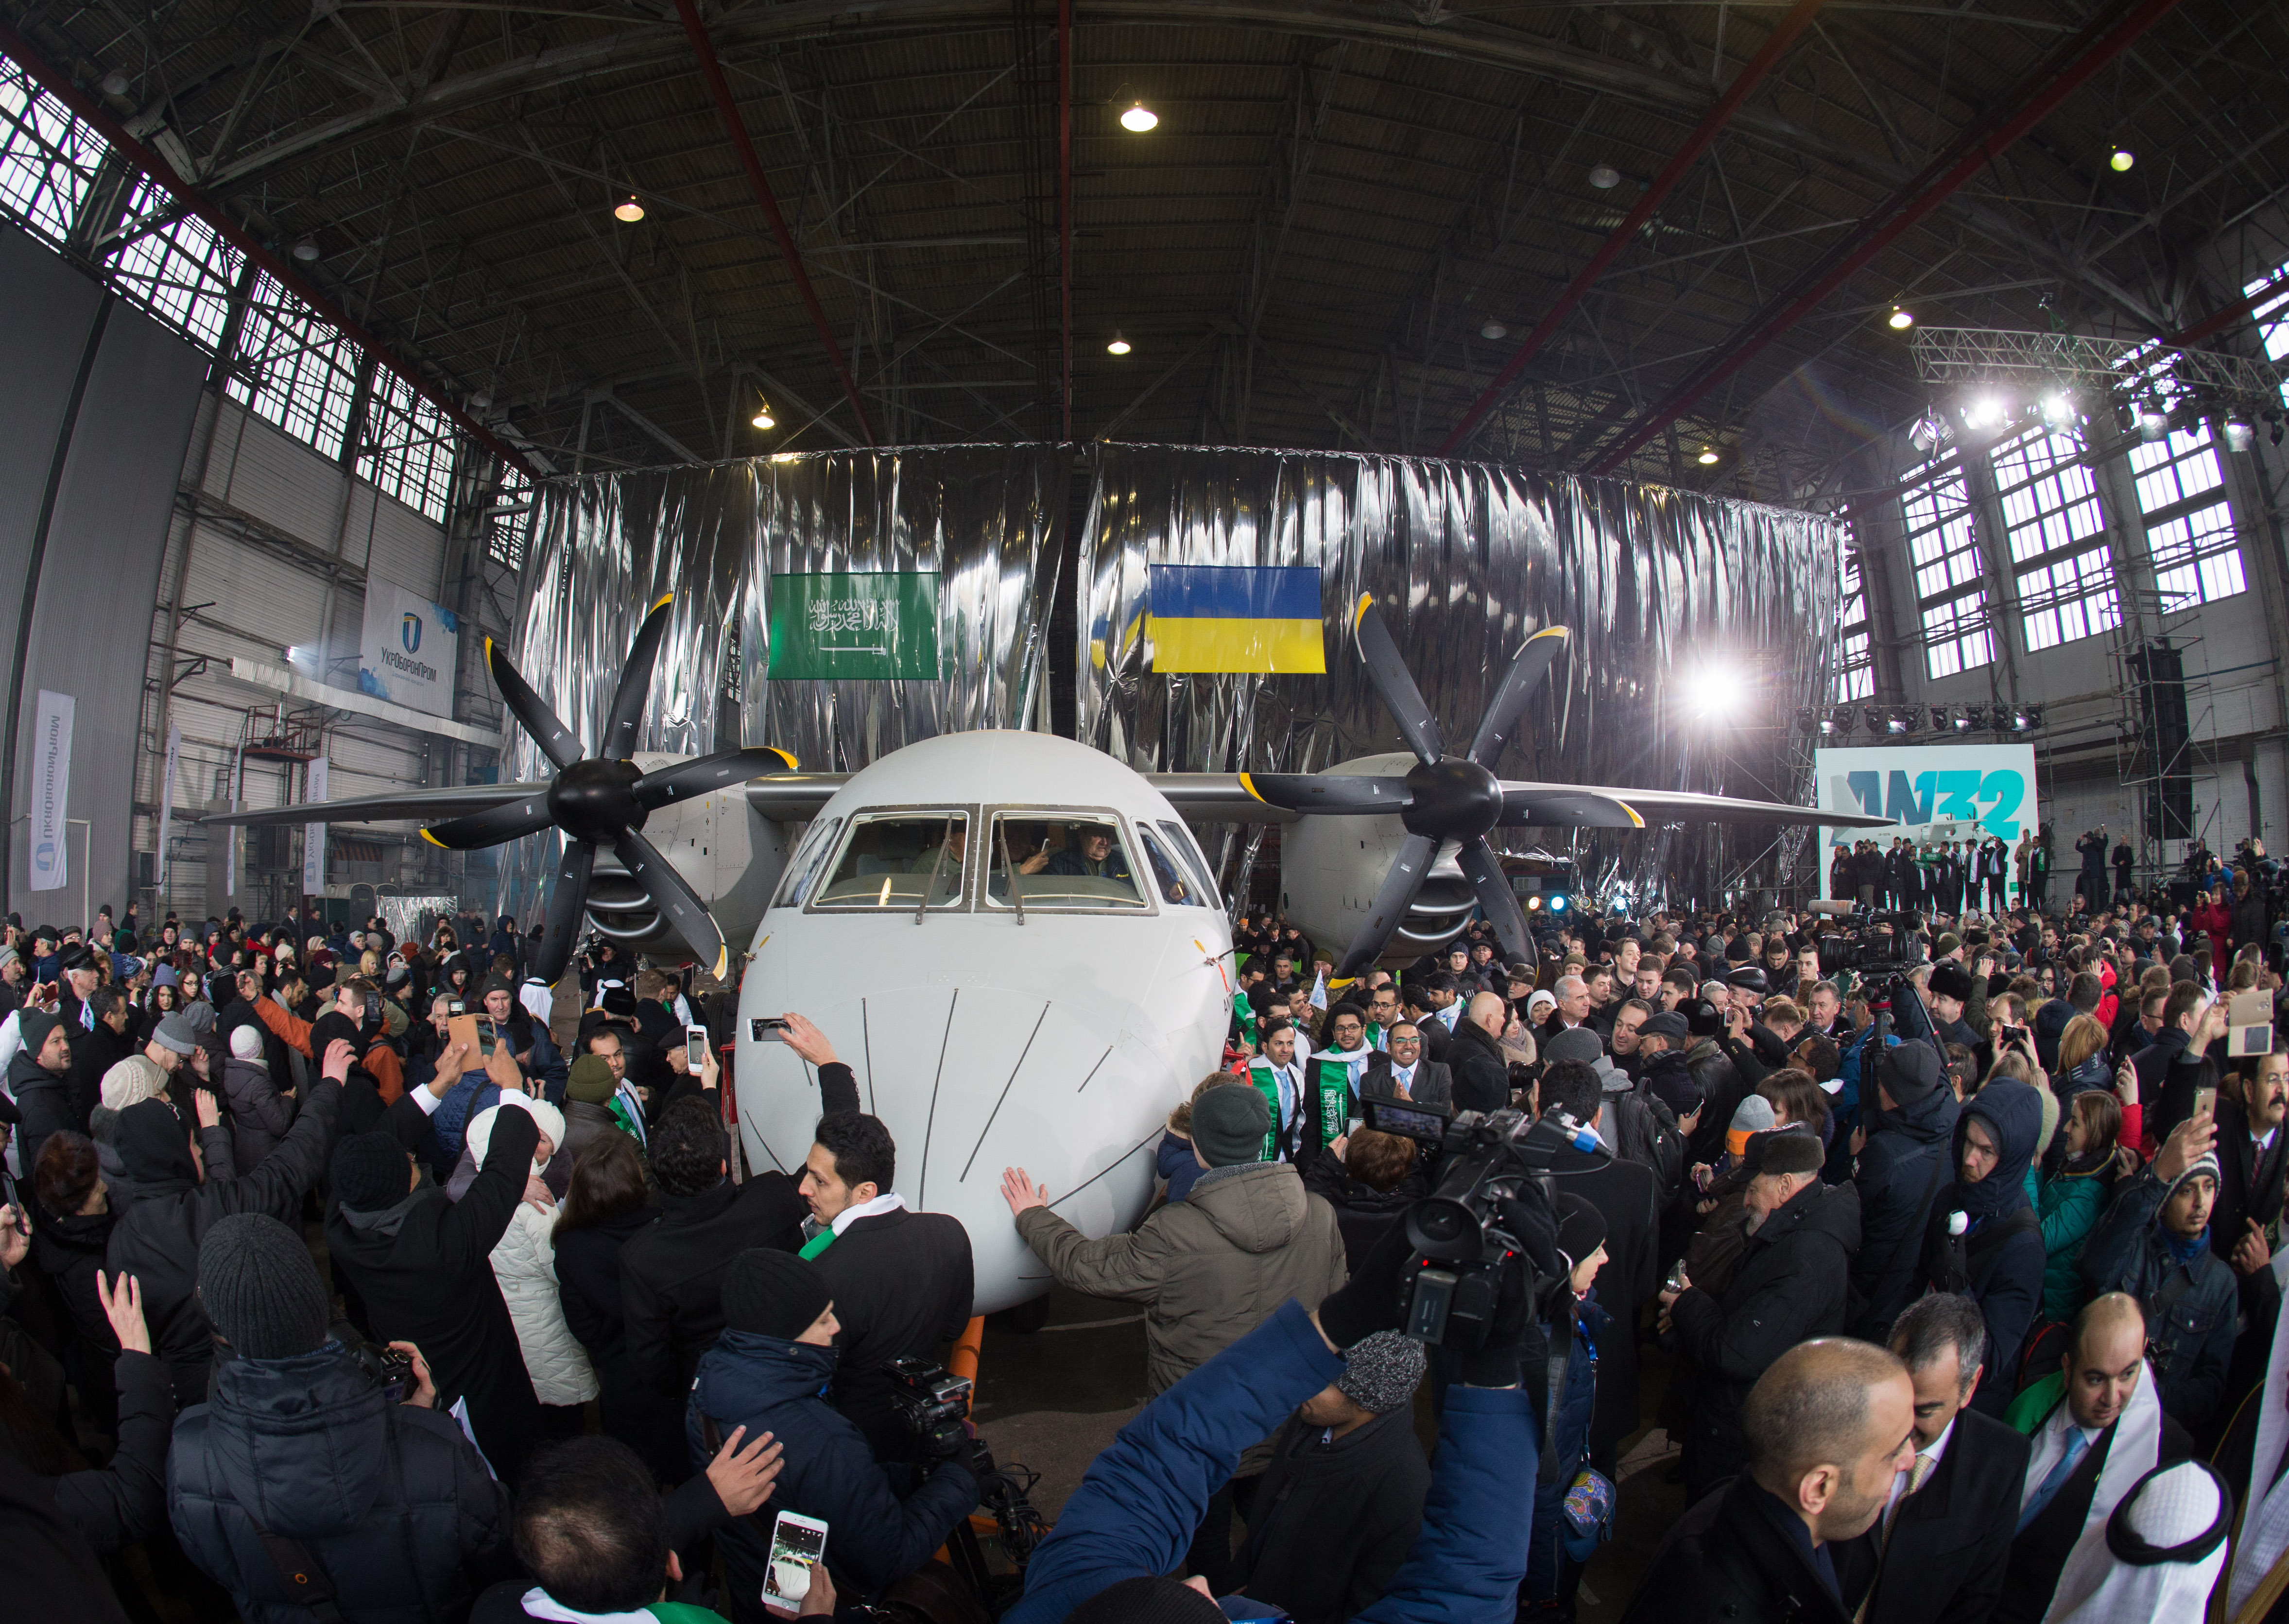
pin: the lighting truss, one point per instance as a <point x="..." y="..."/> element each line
<point x="2042" y="361"/>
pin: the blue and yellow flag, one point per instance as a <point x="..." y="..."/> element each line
<point x="1221" y="617"/>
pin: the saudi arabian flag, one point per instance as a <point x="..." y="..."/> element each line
<point x="846" y="626"/>
<point x="1332" y="1079"/>
<point x="1244" y="1012"/>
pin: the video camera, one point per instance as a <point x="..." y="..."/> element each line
<point x="1457" y="1231"/>
<point x="1865" y="941"/>
<point x="934" y="1404"/>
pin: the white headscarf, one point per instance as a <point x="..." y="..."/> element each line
<point x="479" y="1134"/>
<point x="2178" y="1507"/>
<point x="2137" y="1443"/>
<point x="2264" y="1532"/>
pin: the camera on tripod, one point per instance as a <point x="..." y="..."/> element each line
<point x="933" y="1403"/>
<point x="1457" y="1231"/>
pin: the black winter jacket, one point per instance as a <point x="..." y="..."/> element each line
<point x="879" y="1533"/>
<point x="1904" y="1161"/>
<point x="44" y="1099"/>
<point x="902" y="1284"/>
<point x="1792" y="1284"/>
<point x="588" y="1286"/>
<point x="127" y="1498"/>
<point x="1728" y="1560"/>
<point x="1332" y="1522"/>
<point x="1362" y="1212"/>
<point x="1481" y="1075"/>
<point x="94" y="1052"/>
<point x="157" y="1239"/>
<point x="389" y="1499"/>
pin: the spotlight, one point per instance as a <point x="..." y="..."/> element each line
<point x="1119" y="347"/>
<point x="1929" y="432"/>
<point x="1708" y="458"/>
<point x="1984" y="411"/>
<point x="1898" y="722"/>
<point x="2026" y="718"/>
<point x="630" y="212"/>
<point x="1841" y="722"/>
<point x="2122" y="160"/>
<point x="2059" y="409"/>
<point x="2238" y="434"/>
<point x="1976" y="718"/>
<point x="1900" y="318"/>
<point x="762" y="417"/>
<point x="1605" y="177"/>
<point x="1877" y="719"/>
<point x="1911" y="718"/>
<point x="1139" y="118"/>
<point x="1494" y="329"/>
<point x="1558" y="903"/>
<point x="1964" y="720"/>
<point x="307" y="250"/>
<point x="2153" y="419"/>
<point x="2125" y="416"/>
<point x="1533" y="903"/>
<point x="1941" y="718"/>
<point x="1717" y="692"/>
<point x="1807" y="720"/>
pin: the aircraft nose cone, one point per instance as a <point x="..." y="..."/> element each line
<point x="1453" y="799"/>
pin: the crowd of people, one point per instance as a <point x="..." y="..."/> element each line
<point x="354" y="1278"/>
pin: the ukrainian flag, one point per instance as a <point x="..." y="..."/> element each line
<point x="1216" y="617"/>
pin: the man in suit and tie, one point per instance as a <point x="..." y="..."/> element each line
<point x="1401" y="1073"/>
<point x="1938" y="1554"/>
<point x="2100" y="1435"/>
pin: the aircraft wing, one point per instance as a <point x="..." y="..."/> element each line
<point x="790" y="798"/>
<point x="1682" y="806"/>
<point x="407" y="806"/>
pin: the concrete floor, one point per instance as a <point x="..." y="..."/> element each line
<point x="1054" y="1397"/>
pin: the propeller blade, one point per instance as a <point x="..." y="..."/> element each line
<point x="410" y="806"/>
<point x="1388" y="672"/>
<point x="1524" y="676"/>
<point x="529" y="816"/>
<point x="686" y="779"/>
<point x="1564" y="806"/>
<point x="678" y="901"/>
<point x="1392" y="900"/>
<point x="1492" y="887"/>
<point x="635" y="684"/>
<point x="530" y="708"/>
<point x="1329" y="793"/>
<point x="568" y="905"/>
<point x="1682" y="806"/>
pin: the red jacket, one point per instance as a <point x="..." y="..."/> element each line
<point x="2215" y="921"/>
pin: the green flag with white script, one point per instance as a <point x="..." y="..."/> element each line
<point x="846" y="626"/>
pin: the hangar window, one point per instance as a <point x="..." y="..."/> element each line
<point x="1855" y="657"/>
<point x="294" y="369"/>
<point x="409" y="446"/>
<point x="48" y="158"/>
<point x="1950" y="578"/>
<point x="176" y="267"/>
<point x="2190" y="527"/>
<point x="2272" y="315"/>
<point x="2058" y="539"/>
<point x="509" y="531"/>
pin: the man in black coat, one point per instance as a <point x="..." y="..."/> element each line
<point x="1624" y="1192"/>
<point x="109" y="1039"/>
<point x="1831" y="1426"/>
<point x="2252" y="1155"/>
<point x="1938" y="1553"/>
<point x="1481" y="1076"/>
<point x="1904" y="1165"/>
<point x="1340" y="1500"/>
<point x="2178" y="1062"/>
<point x="902" y="1281"/>
<point x="671" y="1273"/>
<point x="1791" y="1283"/>
<point x="1400" y="1071"/>
<point x="422" y="1265"/>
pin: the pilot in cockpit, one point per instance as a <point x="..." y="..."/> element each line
<point x="1091" y="853"/>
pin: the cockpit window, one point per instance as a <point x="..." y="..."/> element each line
<point x="1181" y="841"/>
<point x="812" y="852"/>
<point x="1061" y="860"/>
<point x="890" y="857"/>
<point x="1177" y="887"/>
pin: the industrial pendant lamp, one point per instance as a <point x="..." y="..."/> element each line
<point x="630" y="212"/>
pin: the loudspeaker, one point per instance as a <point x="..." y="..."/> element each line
<point x="2159" y="672"/>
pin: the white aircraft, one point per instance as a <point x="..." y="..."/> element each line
<point x="1013" y="939"/>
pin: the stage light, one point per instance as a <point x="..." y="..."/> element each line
<point x="1558" y="902"/>
<point x="2122" y="160"/>
<point x="1984" y="411"/>
<point x="2026" y="718"/>
<point x="1877" y="719"/>
<point x="1897" y="723"/>
<point x="1708" y="458"/>
<point x="2059" y="409"/>
<point x="1139" y="118"/>
<point x="1605" y="177"/>
<point x="1911" y="718"/>
<point x="1962" y="721"/>
<point x="1941" y="719"/>
<point x="1841" y="722"/>
<point x="762" y="417"/>
<point x="1534" y="904"/>
<point x="1929" y="432"/>
<point x="2238" y="434"/>
<point x="1718" y="691"/>
<point x="1900" y="318"/>
<point x="2153" y="419"/>
<point x="1807" y="720"/>
<point x="630" y="212"/>
<point x="115" y="83"/>
<point x="1494" y="329"/>
<point x="1119" y="347"/>
<point x="1975" y="717"/>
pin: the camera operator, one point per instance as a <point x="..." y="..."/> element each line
<point x="902" y="1281"/>
<point x="2092" y="885"/>
<point x="766" y="1373"/>
<point x="306" y="1465"/>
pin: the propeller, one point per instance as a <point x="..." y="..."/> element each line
<point x="602" y="801"/>
<point x="1443" y="797"/>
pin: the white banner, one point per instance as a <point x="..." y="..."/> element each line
<point x="1938" y="791"/>
<point x="408" y="651"/>
<point x="230" y="834"/>
<point x="314" y="835"/>
<point x="51" y="790"/>
<point x="166" y="808"/>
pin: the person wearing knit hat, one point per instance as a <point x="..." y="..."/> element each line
<point x="1341" y="1500"/>
<point x="261" y="1289"/>
<point x="768" y="1371"/>
<point x="594" y="1105"/>
<point x="1229" y="1126"/>
<point x="524" y="1267"/>
<point x="39" y="1077"/>
<point x="132" y="1080"/>
<point x="1752" y="1115"/>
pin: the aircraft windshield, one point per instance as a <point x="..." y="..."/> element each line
<point x="889" y="857"/>
<point x="1062" y="860"/>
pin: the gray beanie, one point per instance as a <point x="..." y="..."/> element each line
<point x="261" y="1289"/>
<point x="1381" y="1372"/>
<point x="1229" y="1123"/>
<point x="174" y="1034"/>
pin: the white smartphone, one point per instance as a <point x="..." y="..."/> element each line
<point x="798" y="1545"/>
<point x="695" y="1047"/>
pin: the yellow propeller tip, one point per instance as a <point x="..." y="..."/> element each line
<point x="1247" y="783"/>
<point x="1636" y="821"/>
<point x="1359" y="610"/>
<point x="434" y="841"/>
<point x="665" y="598"/>
<point x="787" y="756"/>
<point x="722" y="960"/>
<point x="1552" y="632"/>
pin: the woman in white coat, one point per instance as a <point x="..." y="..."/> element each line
<point x="524" y="1263"/>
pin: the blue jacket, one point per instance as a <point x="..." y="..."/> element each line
<point x="1136" y="1508"/>
<point x="875" y="1534"/>
<point x="1174" y="1160"/>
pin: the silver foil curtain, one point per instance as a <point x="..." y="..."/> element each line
<point x="1465" y="559"/>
